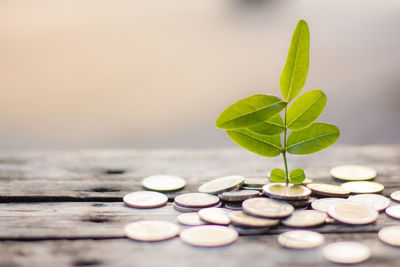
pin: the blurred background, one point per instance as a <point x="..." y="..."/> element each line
<point x="157" y="73"/>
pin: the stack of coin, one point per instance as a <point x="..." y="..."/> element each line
<point x="296" y="195"/>
<point x="193" y="202"/>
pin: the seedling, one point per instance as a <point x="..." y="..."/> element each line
<point x="255" y="122"/>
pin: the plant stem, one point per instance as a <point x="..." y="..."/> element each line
<point x="284" y="149"/>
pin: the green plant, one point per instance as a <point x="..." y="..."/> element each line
<point x="255" y="122"/>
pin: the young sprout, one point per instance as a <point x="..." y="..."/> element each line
<point x="255" y="122"/>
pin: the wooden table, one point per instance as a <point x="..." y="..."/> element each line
<point x="65" y="208"/>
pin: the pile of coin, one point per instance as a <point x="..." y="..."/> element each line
<point x="227" y="207"/>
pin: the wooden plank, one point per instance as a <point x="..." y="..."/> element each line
<point x="247" y="251"/>
<point x="33" y="221"/>
<point x="86" y="175"/>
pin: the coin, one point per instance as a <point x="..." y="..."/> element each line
<point x="241" y="219"/>
<point x="378" y="202"/>
<point x="151" y="230"/>
<point x="222" y="184"/>
<point x="395" y="195"/>
<point x="145" y="199"/>
<point x="393" y="211"/>
<point x="305" y="218"/>
<point x="346" y="252"/>
<point x="390" y="235"/>
<point x="301" y="239"/>
<point x="234" y="205"/>
<point x="259" y="189"/>
<point x="163" y="183"/>
<point x="353" y="172"/>
<point x="353" y="213"/>
<point x="265" y="207"/>
<point x="255" y="182"/>
<point x="301" y="203"/>
<point x="363" y="187"/>
<point x="190" y="218"/>
<point x="209" y="236"/>
<point x="214" y="216"/>
<point x="238" y="195"/>
<point x="188" y="209"/>
<point x="329" y="190"/>
<point x="290" y="192"/>
<point x="196" y="200"/>
<point x="251" y="231"/>
<point x="323" y="204"/>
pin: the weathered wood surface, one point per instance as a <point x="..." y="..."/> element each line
<point x="65" y="209"/>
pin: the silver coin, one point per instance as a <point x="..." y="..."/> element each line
<point x="163" y="183"/>
<point x="265" y="207"/>
<point x="196" y="200"/>
<point x="305" y="218"/>
<point x="353" y="172"/>
<point x="151" y="230"/>
<point x="363" y="187"/>
<point x="145" y="199"/>
<point x="301" y="239"/>
<point x="222" y="184"/>
<point x="390" y="235"/>
<point x="190" y="218"/>
<point x="251" y="231"/>
<point x="238" y="195"/>
<point x="239" y="218"/>
<point x="395" y="195"/>
<point x="346" y="252"/>
<point x="290" y="192"/>
<point x="301" y="203"/>
<point x="393" y="211"/>
<point x="259" y="189"/>
<point x="255" y="182"/>
<point x="323" y="204"/>
<point x="209" y="236"/>
<point x="214" y="216"/>
<point x="329" y="190"/>
<point x="233" y="205"/>
<point x="350" y="212"/>
<point x="186" y="209"/>
<point x="378" y="202"/>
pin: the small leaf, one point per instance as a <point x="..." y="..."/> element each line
<point x="249" y="111"/>
<point x="294" y="73"/>
<point x="297" y="176"/>
<point x="312" y="139"/>
<point x="272" y="126"/>
<point x="263" y="145"/>
<point x="305" y="109"/>
<point x="278" y="175"/>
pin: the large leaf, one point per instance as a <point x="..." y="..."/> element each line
<point x="312" y="139"/>
<point x="305" y="109"/>
<point x="297" y="176"/>
<point x="278" y="175"/>
<point x="250" y="111"/>
<point x="263" y="145"/>
<point x="294" y="73"/>
<point x="272" y="126"/>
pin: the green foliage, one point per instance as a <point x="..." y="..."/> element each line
<point x="297" y="176"/>
<point x="250" y="110"/>
<point x="278" y="175"/>
<point x="263" y="145"/>
<point x="255" y="124"/>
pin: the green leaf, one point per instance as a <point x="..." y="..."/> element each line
<point x="305" y="109"/>
<point x="312" y="139"/>
<point x="294" y="73"/>
<point x="278" y="175"/>
<point x="272" y="126"/>
<point x="250" y="111"/>
<point x="263" y="145"/>
<point x="297" y="176"/>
